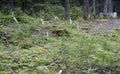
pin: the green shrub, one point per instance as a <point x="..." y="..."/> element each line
<point x="25" y="18"/>
<point x="53" y="10"/>
<point x="76" y="13"/>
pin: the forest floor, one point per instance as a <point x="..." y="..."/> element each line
<point x="102" y="26"/>
<point x="88" y="47"/>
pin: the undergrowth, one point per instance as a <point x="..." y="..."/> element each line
<point x="29" y="51"/>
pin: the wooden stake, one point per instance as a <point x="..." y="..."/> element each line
<point x="47" y="35"/>
<point x="42" y="21"/>
<point x="15" y="19"/>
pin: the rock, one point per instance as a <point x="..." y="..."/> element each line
<point x="7" y="36"/>
<point x="8" y="68"/>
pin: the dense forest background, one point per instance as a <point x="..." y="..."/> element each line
<point x="48" y="9"/>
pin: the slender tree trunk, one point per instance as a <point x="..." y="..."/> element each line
<point x="11" y="5"/>
<point x="67" y="11"/>
<point x="94" y="9"/>
<point x="106" y="7"/>
<point x="110" y="6"/>
<point x="22" y="6"/>
<point x="86" y="9"/>
<point x="0" y="3"/>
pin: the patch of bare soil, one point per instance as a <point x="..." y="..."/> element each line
<point x="102" y="27"/>
<point x="11" y="26"/>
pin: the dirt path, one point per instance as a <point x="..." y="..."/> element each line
<point x="103" y="27"/>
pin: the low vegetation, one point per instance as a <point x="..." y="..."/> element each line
<point x="35" y="48"/>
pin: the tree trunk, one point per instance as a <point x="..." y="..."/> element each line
<point x="110" y="6"/>
<point x="86" y="9"/>
<point x="94" y="9"/>
<point x="0" y="3"/>
<point x="23" y="6"/>
<point x="11" y="5"/>
<point x="67" y="11"/>
<point x="106" y="7"/>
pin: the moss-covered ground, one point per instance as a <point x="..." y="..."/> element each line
<point x="91" y="47"/>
